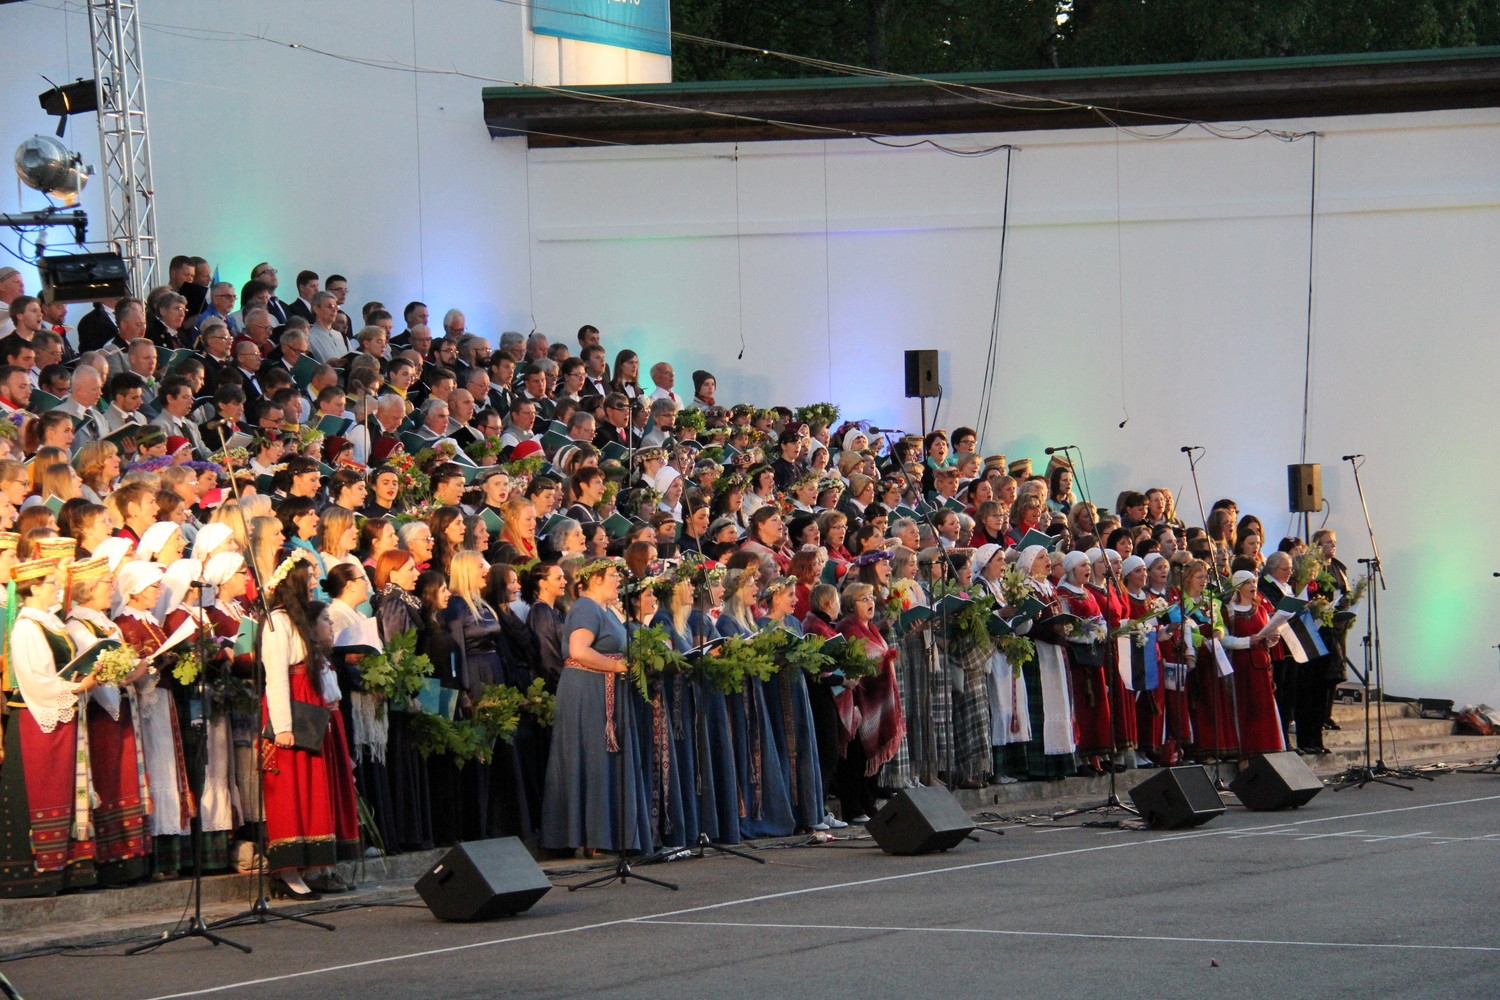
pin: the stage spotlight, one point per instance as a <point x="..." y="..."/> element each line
<point x="76" y="98"/>
<point x="44" y="164"/>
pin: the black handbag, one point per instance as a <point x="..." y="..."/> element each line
<point x="309" y="725"/>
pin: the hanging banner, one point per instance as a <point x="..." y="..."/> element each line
<point x="629" y="24"/>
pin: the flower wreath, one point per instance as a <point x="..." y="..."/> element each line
<point x="286" y="567"/>
<point x="589" y="570"/>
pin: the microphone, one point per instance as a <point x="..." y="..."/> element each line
<point x="1350" y="458"/>
<point x="1064" y="447"/>
<point x="1191" y="447"/>
<point x="1495" y="574"/>
<point x="886" y="430"/>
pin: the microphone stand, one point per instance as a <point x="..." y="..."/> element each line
<point x="196" y="928"/>
<point x="1113" y="801"/>
<point x="260" y="911"/>
<point x="1367" y="772"/>
<point x="1213" y="561"/>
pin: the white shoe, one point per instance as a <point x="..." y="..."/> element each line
<point x="819" y="827"/>
<point x="861" y="818"/>
<point x="832" y="822"/>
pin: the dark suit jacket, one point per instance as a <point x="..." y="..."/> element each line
<point x="96" y="329"/>
<point x="296" y="308"/>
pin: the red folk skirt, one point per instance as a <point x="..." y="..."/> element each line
<point x="1092" y="727"/>
<point x="120" y="840"/>
<point x="1211" y="705"/>
<point x="39" y="853"/>
<point x="1255" y="702"/>
<point x="311" y="816"/>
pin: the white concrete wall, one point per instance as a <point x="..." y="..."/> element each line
<point x="1162" y="279"/>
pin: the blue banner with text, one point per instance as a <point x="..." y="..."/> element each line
<point x="631" y="24"/>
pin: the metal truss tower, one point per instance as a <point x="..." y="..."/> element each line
<point x="125" y="149"/>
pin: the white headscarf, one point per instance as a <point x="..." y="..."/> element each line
<point x="154" y="538"/>
<point x="981" y="559"/>
<point x="210" y="537"/>
<point x="1029" y="556"/>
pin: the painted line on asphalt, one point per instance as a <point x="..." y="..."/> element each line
<point x="1372" y="945"/>
<point x="767" y="897"/>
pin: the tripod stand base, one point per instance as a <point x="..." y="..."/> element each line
<point x="260" y="912"/>
<point x="1108" y="805"/>
<point x="196" y="928"/>
<point x="622" y="872"/>
<point x="1359" y="777"/>
<point x="1493" y="767"/>
<point x="704" y="844"/>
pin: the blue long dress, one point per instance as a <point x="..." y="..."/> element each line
<point x="584" y="796"/>
<point x="796" y="738"/>
<point x="680" y="710"/>
<point x="763" y="780"/>
<point x="719" y="804"/>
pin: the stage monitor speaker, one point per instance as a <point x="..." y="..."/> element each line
<point x="919" y="821"/>
<point x="921" y="374"/>
<point x="1304" y="488"/>
<point x="1276" y="781"/>
<point x="1177" y="797"/>
<point x="482" y="880"/>
<point x="83" y="277"/>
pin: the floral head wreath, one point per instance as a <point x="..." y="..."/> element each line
<point x="641" y="584"/>
<point x="597" y="567"/>
<point x="806" y="479"/>
<point x="734" y="481"/>
<point x="878" y="555"/>
<point x="285" y="569"/>
<point x="778" y="584"/>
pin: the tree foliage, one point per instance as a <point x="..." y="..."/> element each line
<point x="956" y="36"/>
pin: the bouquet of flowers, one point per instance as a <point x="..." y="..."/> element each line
<point x="188" y="668"/>
<point x="417" y="512"/>
<point x="396" y="673"/>
<point x="1017" y="650"/>
<point x="114" y="665"/>
<point x="1139" y="629"/>
<point x="232" y="457"/>
<point x="411" y="484"/>
<point x="1014" y="588"/>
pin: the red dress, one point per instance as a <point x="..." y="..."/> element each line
<point x="1116" y="607"/>
<point x="1211" y="704"/>
<point x="311" y="815"/>
<point x="1254" y="692"/>
<point x="877" y="700"/>
<point x="1086" y="669"/>
<point x="1172" y="728"/>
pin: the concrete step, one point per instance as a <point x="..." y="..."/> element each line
<point x="1397" y="729"/>
<point x="1347" y="714"/>
<point x="1455" y="750"/>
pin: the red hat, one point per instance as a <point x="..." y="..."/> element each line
<point x="332" y="446"/>
<point x="526" y="449"/>
<point x="176" y="443"/>
<point x="382" y="450"/>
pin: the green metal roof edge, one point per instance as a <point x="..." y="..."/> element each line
<point x="1026" y="76"/>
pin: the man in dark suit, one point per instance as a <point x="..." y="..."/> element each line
<point x="98" y="326"/>
<point x="307" y="287"/>
<point x="616" y="426"/>
<point x="267" y="275"/>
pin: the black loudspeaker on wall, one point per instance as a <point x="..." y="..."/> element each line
<point x="921" y="374"/>
<point x="919" y="821"/>
<point x="1177" y="797"/>
<point x="1276" y="781"/>
<point x="1304" y="488"/>
<point x="482" y="880"/>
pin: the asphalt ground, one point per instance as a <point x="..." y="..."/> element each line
<point x="1373" y="892"/>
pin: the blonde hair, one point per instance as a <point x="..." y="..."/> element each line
<point x="734" y="604"/>
<point x="230" y="513"/>
<point x="263" y="531"/>
<point x="90" y="463"/>
<point x="855" y="591"/>
<point x="43" y="460"/>
<point x="466" y="579"/>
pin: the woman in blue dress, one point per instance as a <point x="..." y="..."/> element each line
<point x="719" y="799"/>
<point x="763" y="782"/>
<point x="596" y="780"/>
<point x="791" y="714"/>
<point x="675" y="597"/>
